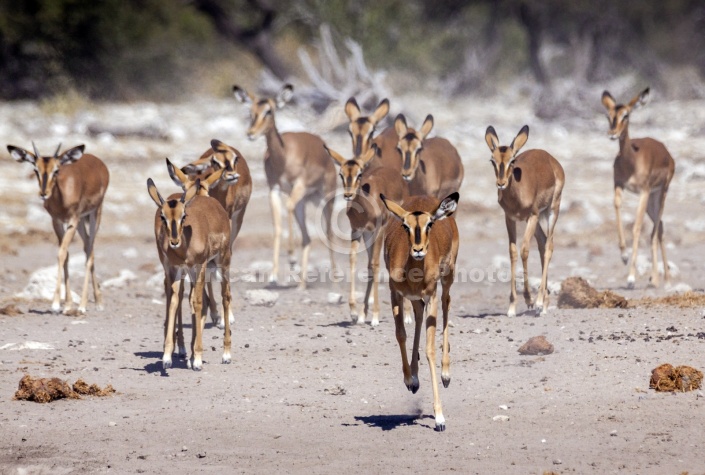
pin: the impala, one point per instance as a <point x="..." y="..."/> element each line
<point x="642" y="166"/>
<point x="361" y="129"/>
<point x="431" y="166"/>
<point x="232" y="192"/>
<point x="190" y="235"/>
<point x="529" y="189"/>
<point x="417" y="257"/>
<point x="367" y="215"/>
<point x="72" y="185"/>
<point x="295" y="163"/>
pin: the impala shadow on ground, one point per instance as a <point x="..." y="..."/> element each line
<point x="391" y="421"/>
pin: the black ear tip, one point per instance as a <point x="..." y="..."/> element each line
<point x="400" y="117"/>
<point x="525" y="129"/>
<point x="384" y="101"/>
<point x="351" y="101"/>
<point x="490" y="130"/>
<point x="236" y="88"/>
<point x="288" y="86"/>
<point x="429" y="117"/>
<point x="455" y="196"/>
<point x="381" y="197"/>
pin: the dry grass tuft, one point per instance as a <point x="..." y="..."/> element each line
<point x="82" y="388"/>
<point x="10" y="310"/>
<point x="50" y="389"/>
<point x="682" y="378"/>
<point x="577" y="293"/>
<point x="688" y="299"/>
<point x="44" y="390"/>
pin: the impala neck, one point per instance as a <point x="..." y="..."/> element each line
<point x="624" y="141"/>
<point x="275" y="144"/>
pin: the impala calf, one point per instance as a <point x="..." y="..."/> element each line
<point x="72" y="186"/>
<point x="642" y="166"/>
<point x="361" y="129"/>
<point x="430" y="166"/>
<point x="297" y="164"/>
<point x="529" y="189"/>
<point x="367" y="215"/>
<point x="232" y="192"/>
<point x="190" y="235"/>
<point x="420" y="248"/>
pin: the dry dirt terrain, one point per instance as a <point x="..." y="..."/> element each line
<point x="307" y="390"/>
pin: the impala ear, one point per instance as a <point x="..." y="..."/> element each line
<point x="242" y="95"/>
<point x="352" y="110"/>
<point x="338" y="158"/>
<point x="284" y="96"/>
<point x="196" y="167"/>
<point x="426" y="127"/>
<point x="213" y="177"/>
<point x="608" y="101"/>
<point x="400" y="125"/>
<point x="640" y="100"/>
<point x="21" y="155"/>
<point x="520" y="140"/>
<point x="393" y="208"/>
<point x="177" y="176"/>
<point x="364" y="160"/>
<point x="72" y="155"/>
<point x="191" y="193"/>
<point x="447" y="207"/>
<point x="375" y="147"/>
<point x="381" y="111"/>
<point x="491" y="139"/>
<point x="154" y="193"/>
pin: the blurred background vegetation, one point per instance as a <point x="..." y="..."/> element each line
<point x="168" y="49"/>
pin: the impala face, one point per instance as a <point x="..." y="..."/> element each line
<point x="172" y="213"/>
<point x="362" y="128"/>
<point x="351" y="170"/>
<point x="46" y="168"/>
<point x="225" y="158"/>
<point x="502" y="156"/>
<point x="618" y="114"/>
<point x="411" y="144"/>
<point x="262" y="109"/>
<point x="418" y="224"/>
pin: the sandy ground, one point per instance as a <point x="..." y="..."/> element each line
<point x="310" y="392"/>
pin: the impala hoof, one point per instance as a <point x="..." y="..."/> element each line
<point x="440" y="423"/>
<point x="446" y="381"/>
<point x="56" y="308"/>
<point x="166" y="364"/>
<point x="630" y="282"/>
<point x="414" y="386"/>
<point x="226" y="359"/>
<point x="82" y="310"/>
<point x="181" y="352"/>
<point x="625" y="259"/>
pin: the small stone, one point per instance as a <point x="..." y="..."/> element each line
<point x="112" y="424"/>
<point x="504" y="407"/>
<point x="501" y="418"/>
<point x="536" y="345"/>
<point x="261" y="297"/>
<point x="557" y="462"/>
<point x="184" y="448"/>
<point x="613" y="433"/>
<point x="334" y="298"/>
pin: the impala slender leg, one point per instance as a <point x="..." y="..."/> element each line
<point x="197" y="318"/>
<point x="401" y="340"/>
<point x="445" y="303"/>
<point x="225" y="292"/>
<point x="354" y="246"/>
<point x="373" y="263"/>
<point x="541" y="298"/>
<point x="300" y="213"/>
<point x="641" y="210"/>
<point x="88" y="251"/>
<point x="546" y="260"/>
<point x="431" y="321"/>
<point x="655" y="211"/>
<point x="513" y="257"/>
<point x="328" y="216"/>
<point x="419" y="310"/>
<point x="298" y="191"/>
<point x="181" y="344"/>
<point x="236" y="226"/>
<point x="275" y="203"/>
<point x="408" y="312"/>
<point x="171" y="306"/>
<point x="64" y="266"/>
<point x="94" y="225"/>
<point x="618" y="190"/>
<point x="212" y="304"/>
<point x="526" y="242"/>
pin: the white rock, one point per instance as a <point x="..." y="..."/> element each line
<point x="130" y="253"/>
<point x="679" y="288"/>
<point x="504" y="407"/>
<point x="42" y="282"/>
<point x="261" y="297"/>
<point x="125" y="276"/>
<point x="334" y="298"/>
<point x="501" y="418"/>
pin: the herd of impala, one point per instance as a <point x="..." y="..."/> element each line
<point x="401" y="188"/>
